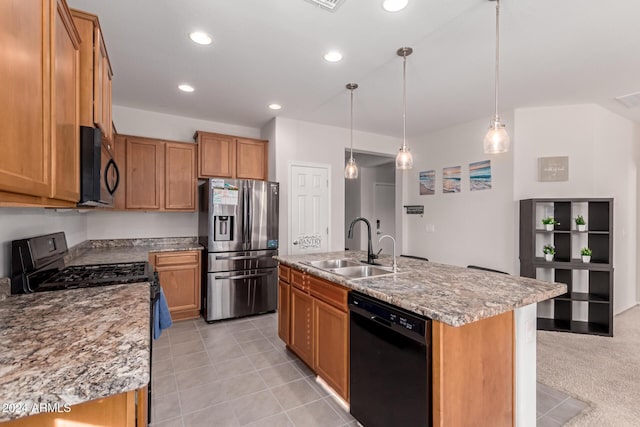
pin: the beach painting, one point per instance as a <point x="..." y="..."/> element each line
<point x="451" y="179"/>
<point x="427" y="182"/>
<point x="480" y="175"/>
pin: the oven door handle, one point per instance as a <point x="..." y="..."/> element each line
<point x="248" y="276"/>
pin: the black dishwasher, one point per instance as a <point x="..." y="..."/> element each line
<point x="390" y="364"/>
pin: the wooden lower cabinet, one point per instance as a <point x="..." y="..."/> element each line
<point x="318" y="326"/>
<point x="127" y="409"/>
<point x="331" y="346"/>
<point x="302" y="325"/>
<point x="179" y="274"/>
<point x="284" y="311"/>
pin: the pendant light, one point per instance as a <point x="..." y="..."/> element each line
<point x="497" y="139"/>
<point x="404" y="160"/>
<point x="351" y="170"/>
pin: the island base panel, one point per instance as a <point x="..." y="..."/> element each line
<point x="473" y="373"/>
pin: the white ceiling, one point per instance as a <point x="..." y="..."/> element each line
<point x="264" y="51"/>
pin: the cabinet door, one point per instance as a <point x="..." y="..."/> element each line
<point x="65" y="92"/>
<point x="25" y="93"/>
<point x="331" y="344"/>
<point x="107" y="80"/>
<point x="179" y="286"/>
<point x="301" y="328"/>
<point x="283" y="311"/>
<point x="217" y="155"/>
<point x="180" y="177"/>
<point x="144" y="174"/>
<point x="251" y="159"/>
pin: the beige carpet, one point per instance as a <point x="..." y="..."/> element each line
<point x="602" y="371"/>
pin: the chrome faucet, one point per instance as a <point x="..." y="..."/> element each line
<point x="370" y="255"/>
<point x="395" y="266"/>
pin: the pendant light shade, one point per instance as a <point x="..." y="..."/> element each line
<point x="497" y="139"/>
<point x="351" y="169"/>
<point x="404" y="159"/>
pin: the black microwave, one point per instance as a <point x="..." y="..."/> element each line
<point x="99" y="174"/>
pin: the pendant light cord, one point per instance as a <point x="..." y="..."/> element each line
<point x="404" y="102"/>
<point x="497" y="73"/>
<point x="351" y="124"/>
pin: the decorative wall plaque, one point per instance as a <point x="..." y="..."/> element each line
<point x="551" y="169"/>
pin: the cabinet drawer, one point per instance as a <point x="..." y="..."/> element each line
<point x="298" y="279"/>
<point x="283" y="273"/>
<point x="328" y="292"/>
<point x="163" y="260"/>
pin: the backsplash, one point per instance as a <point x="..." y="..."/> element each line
<point x="5" y="288"/>
<point x="120" y="243"/>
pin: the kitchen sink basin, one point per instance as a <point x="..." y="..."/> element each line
<point x="330" y="264"/>
<point x="360" y="271"/>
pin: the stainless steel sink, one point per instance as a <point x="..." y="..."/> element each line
<point x="360" y="271"/>
<point x="333" y="263"/>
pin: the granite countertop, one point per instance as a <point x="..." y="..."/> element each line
<point x="127" y="250"/>
<point x="72" y="346"/>
<point x="452" y="295"/>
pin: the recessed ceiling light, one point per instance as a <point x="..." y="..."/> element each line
<point x="333" y="56"/>
<point x="394" y="5"/>
<point x="186" y="88"/>
<point x="200" y="37"/>
<point x="275" y="106"/>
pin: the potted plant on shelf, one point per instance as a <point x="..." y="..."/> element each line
<point x="549" y="251"/>
<point x="586" y="254"/>
<point x="549" y="222"/>
<point x="581" y="224"/>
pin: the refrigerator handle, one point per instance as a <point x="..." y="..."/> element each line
<point x="250" y="191"/>
<point x="245" y="215"/>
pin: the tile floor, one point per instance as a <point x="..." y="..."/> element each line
<point x="239" y="373"/>
<point x="554" y="408"/>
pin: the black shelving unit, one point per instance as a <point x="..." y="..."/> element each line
<point x="587" y="307"/>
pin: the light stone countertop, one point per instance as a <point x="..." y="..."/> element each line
<point x="73" y="346"/>
<point x="452" y="295"/>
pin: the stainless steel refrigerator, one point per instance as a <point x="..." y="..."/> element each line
<point x="238" y="226"/>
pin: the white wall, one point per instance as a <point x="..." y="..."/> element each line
<point x="602" y="163"/>
<point x="19" y="223"/>
<point x="353" y="209"/>
<point x="470" y="227"/>
<point x="122" y="225"/>
<point x="315" y="143"/>
<point x="132" y="121"/>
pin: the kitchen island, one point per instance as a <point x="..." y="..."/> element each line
<point x="483" y="331"/>
<point x="61" y="349"/>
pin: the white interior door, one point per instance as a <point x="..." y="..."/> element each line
<point x="384" y="214"/>
<point x="309" y="209"/>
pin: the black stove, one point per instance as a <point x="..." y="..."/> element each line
<point x="38" y="266"/>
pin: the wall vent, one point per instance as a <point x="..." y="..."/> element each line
<point x="330" y="5"/>
<point x="630" y="101"/>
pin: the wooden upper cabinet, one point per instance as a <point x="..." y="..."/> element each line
<point x="216" y="155"/>
<point x="119" y="152"/>
<point x="251" y="159"/>
<point x="144" y="164"/>
<point x="95" y="75"/>
<point x="180" y="177"/>
<point x="38" y="104"/>
<point x="160" y="175"/>
<point x="226" y="156"/>
<point x="66" y="128"/>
